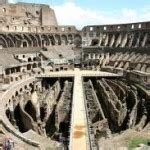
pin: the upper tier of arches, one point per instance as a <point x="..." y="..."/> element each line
<point x="38" y="40"/>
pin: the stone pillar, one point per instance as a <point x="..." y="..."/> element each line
<point x="89" y="56"/>
<point x="93" y="56"/>
<point x="12" y="116"/>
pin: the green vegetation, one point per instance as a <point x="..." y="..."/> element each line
<point x="134" y="142"/>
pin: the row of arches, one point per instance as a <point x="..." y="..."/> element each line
<point x="29" y="66"/>
<point x="133" y="39"/>
<point x="38" y="40"/>
<point x="26" y="87"/>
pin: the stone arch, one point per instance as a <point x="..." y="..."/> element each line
<point x="18" y="40"/>
<point x="3" y="41"/>
<point x="77" y="40"/>
<point x="31" y="85"/>
<point x="118" y="38"/>
<point x="94" y="42"/>
<point x="45" y="40"/>
<point x="7" y="71"/>
<point x="52" y="39"/>
<point x="12" y="70"/>
<point x="34" y="40"/>
<point x="25" y="87"/>
<point x="11" y="42"/>
<point x="38" y="39"/>
<point x="34" y="58"/>
<point x="57" y="39"/>
<point x="28" y="39"/>
<point x="16" y="93"/>
<point x="11" y="36"/>
<point x="141" y="38"/>
<point x="8" y="113"/>
<point x="34" y="65"/>
<point x="10" y="101"/>
<point x="29" y="59"/>
<point x="39" y="64"/>
<point x="29" y="108"/>
<point x="70" y="39"/>
<point x="12" y="97"/>
<point x="64" y="39"/>
<point x="21" y="90"/>
<point x="24" y="43"/>
<point x="29" y="67"/>
<point x="18" y="37"/>
<point x="111" y="39"/>
<point x="136" y="35"/>
<point x="148" y="41"/>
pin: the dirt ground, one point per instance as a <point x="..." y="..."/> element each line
<point x="121" y="141"/>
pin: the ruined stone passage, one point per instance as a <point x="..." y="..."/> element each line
<point x="79" y="124"/>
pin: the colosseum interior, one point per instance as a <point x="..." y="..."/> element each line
<point x="63" y="88"/>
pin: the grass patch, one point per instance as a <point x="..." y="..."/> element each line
<point x="134" y="142"/>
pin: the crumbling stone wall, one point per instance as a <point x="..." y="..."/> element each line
<point x="27" y="14"/>
<point x="119" y="106"/>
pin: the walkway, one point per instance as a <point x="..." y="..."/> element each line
<point x="85" y="73"/>
<point x="79" y="136"/>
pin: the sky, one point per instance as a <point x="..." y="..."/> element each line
<point x="97" y="12"/>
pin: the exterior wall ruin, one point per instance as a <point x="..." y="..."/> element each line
<point x="27" y="14"/>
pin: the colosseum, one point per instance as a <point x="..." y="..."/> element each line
<point x="62" y="88"/>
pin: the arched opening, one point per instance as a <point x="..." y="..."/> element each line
<point x="34" y="59"/>
<point x="64" y="39"/>
<point x="10" y="42"/>
<point x="29" y="67"/>
<point x="8" y="114"/>
<point x="52" y="40"/>
<point x="27" y="40"/>
<point x="7" y="71"/>
<point x="38" y="39"/>
<point x="3" y="42"/>
<point x="34" y="40"/>
<point x="25" y="44"/>
<point x="58" y="39"/>
<point x="61" y="68"/>
<point x="18" y="119"/>
<point x="21" y="90"/>
<point x="29" y="108"/>
<point x="39" y="64"/>
<point x="12" y="70"/>
<point x="45" y="40"/>
<point x="70" y="39"/>
<point x="95" y="42"/>
<point x="31" y="85"/>
<point x="57" y="69"/>
<point x="13" y="97"/>
<point x="34" y="65"/>
<point x="148" y="41"/>
<point x="77" y="40"/>
<point x="29" y="59"/>
<point x="11" y="79"/>
<point x="16" y="94"/>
